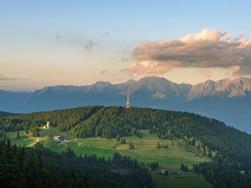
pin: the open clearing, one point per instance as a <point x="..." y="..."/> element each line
<point x="146" y="150"/>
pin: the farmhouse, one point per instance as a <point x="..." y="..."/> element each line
<point x="58" y="138"/>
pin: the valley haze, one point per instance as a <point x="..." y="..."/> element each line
<point x="228" y="100"/>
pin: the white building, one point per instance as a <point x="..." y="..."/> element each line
<point x="48" y="125"/>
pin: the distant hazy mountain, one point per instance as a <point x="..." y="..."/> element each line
<point x="226" y="88"/>
<point x="4" y="114"/>
<point x="12" y="101"/>
<point x="227" y="100"/>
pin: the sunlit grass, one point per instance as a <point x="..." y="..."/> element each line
<point x="145" y="151"/>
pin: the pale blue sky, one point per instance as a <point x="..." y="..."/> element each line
<point x="41" y="41"/>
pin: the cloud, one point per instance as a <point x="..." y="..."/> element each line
<point x="206" y="72"/>
<point x="125" y="59"/>
<point x="206" y="49"/>
<point x="5" y="78"/>
<point x="86" y="44"/>
<point x="148" y="68"/>
<point x="103" y="72"/>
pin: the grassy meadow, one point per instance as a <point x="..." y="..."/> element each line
<point x="145" y="150"/>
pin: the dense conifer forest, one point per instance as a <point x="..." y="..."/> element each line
<point x="228" y="147"/>
<point x="39" y="167"/>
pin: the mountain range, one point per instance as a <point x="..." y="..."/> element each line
<point x="226" y="100"/>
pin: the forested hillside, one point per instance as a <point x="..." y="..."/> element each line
<point x="228" y="147"/>
<point x="38" y="167"/>
<point x="111" y="122"/>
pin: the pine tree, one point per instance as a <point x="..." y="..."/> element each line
<point x="18" y="135"/>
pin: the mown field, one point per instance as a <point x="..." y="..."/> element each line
<point x="146" y="150"/>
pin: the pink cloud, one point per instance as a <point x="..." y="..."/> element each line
<point x="206" y="49"/>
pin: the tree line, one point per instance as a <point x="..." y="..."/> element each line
<point x="39" y="167"/>
<point x="209" y="136"/>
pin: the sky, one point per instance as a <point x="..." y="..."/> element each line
<point x="62" y="42"/>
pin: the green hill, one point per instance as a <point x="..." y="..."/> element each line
<point x="205" y="145"/>
<point x="145" y="151"/>
<point x="39" y="167"/>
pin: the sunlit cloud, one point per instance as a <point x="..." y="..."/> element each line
<point x="206" y="49"/>
<point x="149" y="68"/>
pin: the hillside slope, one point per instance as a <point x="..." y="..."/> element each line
<point x="112" y="122"/>
<point x="228" y="147"/>
<point x="39" y="167"/>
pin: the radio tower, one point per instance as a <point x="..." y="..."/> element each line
<point x="128" y="99"/>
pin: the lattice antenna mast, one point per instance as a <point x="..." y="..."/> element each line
<point x="128" y="98"/>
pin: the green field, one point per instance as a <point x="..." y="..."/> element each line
<point x="24" y="139"/>
<point x="145" y="150"/>
<point x="185" y="180"/>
